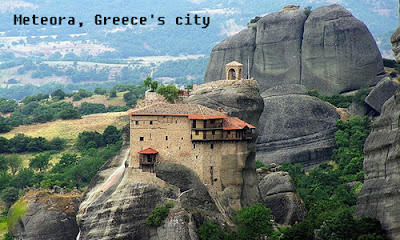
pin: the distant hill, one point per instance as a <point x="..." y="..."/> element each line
<point x="227" y="17"/>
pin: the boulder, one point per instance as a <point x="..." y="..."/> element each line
<point x="47" y="216"/>
<point x="330" y="51"/>
<point x="277" y="57"/>
<point x="380" y="195"/>
<point x="339" y="53"/>
<point x="296" y="128"/>
<point x="395" y="40"/>
<point x="384" y="90"/>
<point x="237" y="98"/>
<point x="278" y="193"/>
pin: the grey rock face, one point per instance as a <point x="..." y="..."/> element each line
<point x="395" y="40"/>
<point x="239" y="99"/>
<point x="384" y="90"/>
<point x="179" y="225"/>
<point x="380" y="195"/>
<point x="239" y="47"/>
<point x="338" y="46"/>
<point x="277" y="58"/>
<point x="296" y="128"/>
<point x="48" y="217"/>
<point x="330" y="51"/>
<point x="278" y="193"/>
<point x="117" y="202"/>
<point x="242" y="100"/>
<point x="186" y="180"/>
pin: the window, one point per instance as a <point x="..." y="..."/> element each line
<point x="194" y="146"/>
<point x="176" y="121"/>
<point x="229" y="132"/>
<point x="137" y="122"/>
<point x="151" y="122"/>
<point x="197" y="157"/>
<point x="212" y="146"/>
<point x="212" y="121"/>
<point x="213" y="132"/>
<point x="141" y="139"/>
<point x="179" y="148"/>
<point x="197" y="132"/>
<point x="166" y="138"/>
<point x="150" y="136"/>
<point x="182" y="138"/>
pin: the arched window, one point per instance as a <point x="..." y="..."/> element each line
<point x="232" y="74"/>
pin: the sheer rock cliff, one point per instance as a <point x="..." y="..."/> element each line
<point x="330" y="50"/>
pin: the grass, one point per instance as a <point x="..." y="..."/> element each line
<point x="118" y="101"/>
<point x="69" y="130"/>
<point x="3" y="226"/>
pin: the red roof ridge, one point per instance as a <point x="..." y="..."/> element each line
<point x="148" y="151"/>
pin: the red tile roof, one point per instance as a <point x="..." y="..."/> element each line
<point x="234" y="123"/>
<point x="193" y="111"/>
<point x="148" y="151"/>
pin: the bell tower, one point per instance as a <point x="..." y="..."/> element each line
<point x="234" y="71"/>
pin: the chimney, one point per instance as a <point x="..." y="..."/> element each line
<point x="219" y="109"/>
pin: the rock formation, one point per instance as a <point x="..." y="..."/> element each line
<point x="120" y="198"/>
<point x="48" y="216"/>
<point x="295" y="127"/>
<point x="239" y="99"/>
<point x="380" y="195"/>
<point x="384" y="90"/>
<point x="278" y="194"/>
<point x="330" y="51"/>
<point x="395" y="40"/>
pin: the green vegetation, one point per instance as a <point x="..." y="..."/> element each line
<point x="330" y="190"/>
<point x="308" y="10"/>
<point x="169" y="92"/>
<point x="17" y="212"/>
<point x="87" y="140"/>
<point x="253" y="223"/>
<point x="158" y="215"/>
<point x="21" y="143"/>
<point x="341" y="101"/>
<point x="209" y="231"/>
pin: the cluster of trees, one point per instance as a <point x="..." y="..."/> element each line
<point x="330" y="190"/>
<point x="182" y="68"/>
<point x="71" y="171"/>
<point x="21" y="143"/>
<point x="340" y="100"/>
<point x="93" y="139"/>
<point x="253" y="223"/>
<point x="39" y="109"/>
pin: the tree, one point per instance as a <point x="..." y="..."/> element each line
<point x="3" y="163"/>
<point x="209" y="231"/>
<point x="254" y="222"/>
<point x="170" y="92"/>
<point x="88" y="140"/>
<point x="9" y="195"/>
<point x="40" y="161"/>
<point x="113" y="93"/>
<point x="69" y="114"/>
<point x="111" y="135"/>
<point x="60" y="94"/>
<point x="100" y="91"/>
<point x="147" y="82"/>
<point x="154" y="86"/>
<point x="14" y="162"/>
